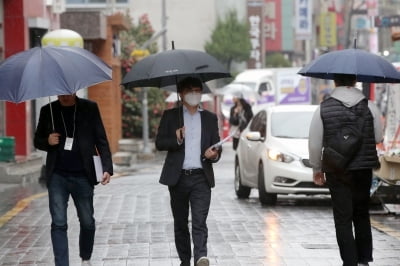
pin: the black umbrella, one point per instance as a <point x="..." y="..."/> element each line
<point x="166" y="68"/>
<point x="163" y="69"/>
<point x="367" y="67"/>
<point x="172" y="88"/>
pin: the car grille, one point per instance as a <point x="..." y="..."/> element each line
<point x="306" y="163"/>
<point x="309" y="185"/>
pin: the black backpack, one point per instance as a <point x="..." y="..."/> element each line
<point x="340" y="149"/>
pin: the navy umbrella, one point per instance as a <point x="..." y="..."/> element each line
<point x="163" y="69"/>
<point x="367" y="67"/>
<point x="48" y="71"/>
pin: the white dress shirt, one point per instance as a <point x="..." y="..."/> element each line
<point x="192" y="124"/>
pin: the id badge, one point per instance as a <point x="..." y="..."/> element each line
<point x="68" y="144"/>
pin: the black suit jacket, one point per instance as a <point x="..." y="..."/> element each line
<point x="89" y="131"/>
<point x="166" y="141"/>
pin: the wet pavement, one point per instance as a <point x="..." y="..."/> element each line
<point x="11" y="194"/>
<point x="135" y="226"/>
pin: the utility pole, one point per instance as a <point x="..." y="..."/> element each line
<point x="145" y="116"/>
<point x="145" y="111"/>
<point x="349" y="12"/>
<point x="164" y="24"/>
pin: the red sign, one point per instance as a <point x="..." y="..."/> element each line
<point x="273" y="25"/>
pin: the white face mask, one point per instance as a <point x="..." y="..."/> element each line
<point x="192" y="98"/>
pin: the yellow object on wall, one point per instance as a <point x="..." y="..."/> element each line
<point x="62" y="37"/>
<point x="327" y="35"/>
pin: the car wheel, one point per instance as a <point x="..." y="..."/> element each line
<point x="264" y="197"/>
<point x="242" y="192"/>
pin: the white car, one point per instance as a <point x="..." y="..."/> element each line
<point x="272" y="154"/>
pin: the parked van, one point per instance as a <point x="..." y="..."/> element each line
<point x="273" y="86"/>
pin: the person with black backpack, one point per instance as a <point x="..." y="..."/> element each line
<point x="343" y="135"/>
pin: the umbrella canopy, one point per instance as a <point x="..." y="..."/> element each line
<point x="366" y="66"/>
<point x="173" y="88"/>
<point x="173" y="97"/>
<point x="163" y="69"/>
<point x="239" y="90"/>
<point x="48" y="71"/>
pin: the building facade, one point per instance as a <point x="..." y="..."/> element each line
<point x="24" y="22"/>
<point x="100" y="34"/>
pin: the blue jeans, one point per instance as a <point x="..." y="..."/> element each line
<point x="81" y="191"/>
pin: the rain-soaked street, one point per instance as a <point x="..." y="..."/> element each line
<point x="135" y="226"/>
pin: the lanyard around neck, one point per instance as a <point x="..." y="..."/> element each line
<point x="65" y="127"/>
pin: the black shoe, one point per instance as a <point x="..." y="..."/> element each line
<point x="185" y="263"/>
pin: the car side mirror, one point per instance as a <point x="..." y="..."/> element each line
<point x="254" y="136"/>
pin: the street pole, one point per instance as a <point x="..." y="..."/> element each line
<point x="348" y="13"/>
<point x="145" y="114"/>
<point x="164" y="24"/>
<point x="309" y="50"/>
<point x="145" y="117"/>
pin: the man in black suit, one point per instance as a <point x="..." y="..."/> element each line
<point x="187" y="169"/>
<point x="71" y="131"/>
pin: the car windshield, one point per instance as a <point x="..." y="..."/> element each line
<point x="249" y="84"/>
<point x="291" y="124"/>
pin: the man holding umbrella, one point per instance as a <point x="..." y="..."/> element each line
<point x="349" y="187"/>
<point x="71" y="131"/>
<point x="187" y="170"/>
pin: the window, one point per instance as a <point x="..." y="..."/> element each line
<point x="259" y="123"/>
<point x="264" y="87"/>
<point x="291" y="124"/>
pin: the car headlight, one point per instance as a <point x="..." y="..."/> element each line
<point x="279" y="156"/>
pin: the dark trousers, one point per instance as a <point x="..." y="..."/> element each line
<point x="60" y="188"/>
<point x="235" y="143"/>
<point x="350" y="193"/>
<point x="191" y="191"/>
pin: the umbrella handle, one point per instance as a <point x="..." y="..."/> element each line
<point x="179" y="116"/>
<point x="51" y="114"/>
<point x="180" y="120"/>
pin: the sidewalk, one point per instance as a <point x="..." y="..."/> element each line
<point x="21" y="171"/>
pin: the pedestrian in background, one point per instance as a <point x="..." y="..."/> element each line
<point x="78" y="134"/>
<point x="240" y="116"/>
<point x="350" y="187"/>
<point x="188" y="170"/>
